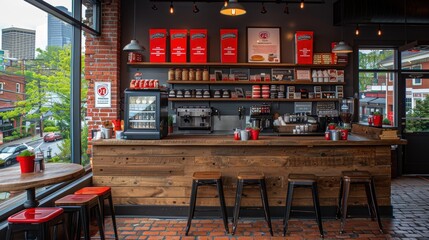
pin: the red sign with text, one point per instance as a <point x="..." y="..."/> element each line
<point x="157" y="45"/>
<point x="228" y="45"/>
<point x="304" y="47"/>
<point x="178" y="45"/>
<point x="198" y="42"/>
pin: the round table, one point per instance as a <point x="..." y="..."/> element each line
<point x="11" y="179"/>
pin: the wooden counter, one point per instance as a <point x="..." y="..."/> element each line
<point x="159" y="172"/>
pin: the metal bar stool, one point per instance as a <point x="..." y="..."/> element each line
<point x="103" y="193"/>
<point x="38" y="220"/>
<point x="81" y="205"/>
<point x="203" y="179"/>
<point x="255" y="179"/>
<point x="357" y="177"/>
<point x="303" y="181"/>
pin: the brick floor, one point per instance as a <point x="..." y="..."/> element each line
<point x="410" y="200"/>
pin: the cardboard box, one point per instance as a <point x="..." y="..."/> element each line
<point x="178" y="45"/>
<point x="304" y="47"/>
<point x="198" y="45"/>
<point x="228" y="45"/>
<point x="157" y="45"/>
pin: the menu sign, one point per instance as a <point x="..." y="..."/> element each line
<point x="228" y="45"/>
<point x="178" y="43"/>
<point x="157" y="44"/>
<point x="304" y="47"/>
<point x="198" y="42"/>
<point x="263" y="45"/>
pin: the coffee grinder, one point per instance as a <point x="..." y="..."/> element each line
<point x="346" y="112"/>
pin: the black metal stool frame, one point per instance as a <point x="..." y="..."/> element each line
<point x="42" y="229"/>
<point x="289" y="197"/>
<point x="195" y="184"/>
<point x="101" y="200"/>
<point x="370" y="195"/>
<point x="264" y="198"/>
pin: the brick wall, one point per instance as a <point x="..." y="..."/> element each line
<point x="102" y="64"/>
<point x="9" y="83"/>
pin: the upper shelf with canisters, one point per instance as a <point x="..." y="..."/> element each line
<point x="250" y="65"/>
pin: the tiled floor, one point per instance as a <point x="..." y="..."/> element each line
<point x="410" y="199"/>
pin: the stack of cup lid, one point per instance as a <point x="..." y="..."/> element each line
<point x="256" y="91"/>
<point x="217" y="93"/>
<point x="198" y="93"/>
<point x="265" y="91"/>
<point x="206" y="93"/>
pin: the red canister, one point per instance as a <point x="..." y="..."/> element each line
<point x="328" y="135"/>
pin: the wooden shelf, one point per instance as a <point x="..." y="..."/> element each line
<point x="252" y="100"/>
<point x="228" y="65"/>
<point x="244" y="82"/>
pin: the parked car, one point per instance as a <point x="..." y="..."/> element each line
<point x="51" y="137"/>
<point x="8" y="154"/>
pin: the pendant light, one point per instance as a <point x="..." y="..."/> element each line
<point x="233" y="9"/>
<point x="342" y="47"/>
<point x="134" y="45"/>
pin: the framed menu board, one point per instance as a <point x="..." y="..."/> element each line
<point x="263" y="44"/>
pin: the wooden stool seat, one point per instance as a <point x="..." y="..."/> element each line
<point x="302" y="181"/>
<point x="207" y="178"/>
<point x="250" y="175"/>
<point x="206" y="175"/>
<point x="103" y="193"/>
<point x="36" y="219"/>
<point x="78" y="205"/>
<point x="357" y="177"/>
<point x="253" y="179"/>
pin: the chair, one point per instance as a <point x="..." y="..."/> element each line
<point x="103" y="193"/>
<point x="38" y="220"/>
<point x="203" y="179"/>
<point x="357" y="177"/>
<point x="302" y="181"/>
<point x="255" y="179"/>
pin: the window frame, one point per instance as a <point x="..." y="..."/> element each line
<point x="18" y="87"/>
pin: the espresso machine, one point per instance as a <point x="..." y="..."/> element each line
<point x="194" y="118"/>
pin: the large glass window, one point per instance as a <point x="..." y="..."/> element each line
<point x="377" y="79"/>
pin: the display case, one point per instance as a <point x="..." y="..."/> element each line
<point x="146" y="114"/>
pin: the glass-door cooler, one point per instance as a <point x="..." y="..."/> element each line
<point x="146" y="114"/>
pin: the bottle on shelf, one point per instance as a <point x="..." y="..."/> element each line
<point x="171" y="74"/>
<point x="206" y="75"/>
<point x="185" y="74"/>
<point x="191" y="75"/>
<point x="198" y="75"/>
<point x="178" y="74"/>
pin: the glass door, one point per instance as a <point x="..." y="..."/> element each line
<point x="142" y="112"/>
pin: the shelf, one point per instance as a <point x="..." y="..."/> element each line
<point x="249" y="65"/>
<point x="252" y="100"/>
<point x="244" y="82"/>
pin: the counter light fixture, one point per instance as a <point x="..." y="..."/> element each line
<point x="171" y="8"/>
<point x="134" y="45"/>
<point x="263" y="10"/>
<point x="196" y="9"/>
<point x="286" y="10"/>
<point x="301" y="5"/>
<point x="233" y="8"/>
<point x="342" y="47"/>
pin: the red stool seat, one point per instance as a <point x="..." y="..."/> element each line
<point x="99" y="191"/>
<point x="35" y="215"/>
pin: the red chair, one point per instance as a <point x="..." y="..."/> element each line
<point x="103" y="193"/>
<point x="36" y="219"/>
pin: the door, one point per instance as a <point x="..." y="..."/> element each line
<point x="415" y="124"/>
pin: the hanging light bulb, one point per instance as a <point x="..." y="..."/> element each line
<point x="263" y="10"/>
<point x="379" y="30"/>
<point x="286" y="9"/>
<point x="301" y="5"/>
<point x="171" y="8"/>
<point x="225" y="3"/>
<point x="357" y="30"/>
<point x="233" y="9"/>
<point x="154" y="7"/>
<point x="196" y="9"/>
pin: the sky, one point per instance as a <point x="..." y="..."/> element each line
<point x="18" y="13"/>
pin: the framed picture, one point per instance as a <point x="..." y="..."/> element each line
<point x="263" y="44"/>
<point x="303" y="75"/>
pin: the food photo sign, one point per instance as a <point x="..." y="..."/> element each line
<point x="263" y="44"/>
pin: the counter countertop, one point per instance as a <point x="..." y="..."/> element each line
<point x="227" y="140"/>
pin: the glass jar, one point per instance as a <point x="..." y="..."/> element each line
<point x="191" y="75"/>
<point x="178" y="74"/>
<point x="206" y="75"/>
<point x="198" y="75"/>
<point x="171" y="75"/>
<point x="185" y="74"/>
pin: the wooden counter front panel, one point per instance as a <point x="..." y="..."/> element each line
<point x="161" y="175"/>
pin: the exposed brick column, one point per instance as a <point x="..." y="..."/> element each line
<point x="102" y="63"/>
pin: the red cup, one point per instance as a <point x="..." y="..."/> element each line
<point x="26" y="163"/>
<point x="344" y="134"/>
<point x="255" y="134"/>
<point x="328" y="135"/>
<point x="236" y="135"/>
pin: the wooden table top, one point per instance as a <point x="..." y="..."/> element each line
<point x="11" y="178"/>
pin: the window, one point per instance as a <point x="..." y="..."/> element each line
<point x="1" y="87"/>
<point x="18" y="88"/>
<point x="377" y="79"/>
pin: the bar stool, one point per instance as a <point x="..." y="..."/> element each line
<point x="36" y="219"/>
<point x="357" y="177"/>
<point x="203" y="179"/>
<point x="302" y="181"/>
<point x="81" y="205"/>
<point x="103" y="193"/>
<point x="253" y="179"/>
